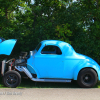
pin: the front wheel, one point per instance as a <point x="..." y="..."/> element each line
<point x="87" y="78"/>
<point x="12" y="79"/>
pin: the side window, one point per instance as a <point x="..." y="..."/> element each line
<point x="51" y="50"/>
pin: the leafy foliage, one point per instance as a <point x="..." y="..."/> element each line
<point x="75" y="22"/>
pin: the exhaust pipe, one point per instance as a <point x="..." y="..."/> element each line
<point x="3" y="67"/>
<point x="25" y="70"/>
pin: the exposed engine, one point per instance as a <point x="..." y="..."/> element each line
<point x="21" y="61"/>
<point x="16" y="64"/>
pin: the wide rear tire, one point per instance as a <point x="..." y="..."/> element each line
<point x="87" y="78"/>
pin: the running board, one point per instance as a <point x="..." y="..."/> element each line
<point x="51" y="80"/>
<point x="25" y="70"/>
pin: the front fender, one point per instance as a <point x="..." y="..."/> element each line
<point x="86" y="64"/>
<point x="7" y="46"/>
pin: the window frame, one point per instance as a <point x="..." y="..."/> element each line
<point x="38" y="46"/>
<point x="54" y="47"/>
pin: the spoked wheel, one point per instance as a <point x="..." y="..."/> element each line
<point x="11" y="79"/>
<point x="87" y="78"/>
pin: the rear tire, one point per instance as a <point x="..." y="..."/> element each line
<point x="12" y="79"/>
<point x="87" y="78"/>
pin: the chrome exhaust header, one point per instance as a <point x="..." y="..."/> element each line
<point x="26" y="71"/>
<point x="3" y="67"/>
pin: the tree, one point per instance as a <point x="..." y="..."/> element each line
<point x="67" y="20"/>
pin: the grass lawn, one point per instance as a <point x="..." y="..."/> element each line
<point x="27" y="83"/>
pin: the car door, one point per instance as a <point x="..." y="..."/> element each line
<point x="49" y="62"/>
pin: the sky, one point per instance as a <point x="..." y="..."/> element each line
<point x="32" y="1"/>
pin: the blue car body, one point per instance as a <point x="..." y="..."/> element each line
<point x="51" y="61"/>
<point x="67" y="65"/>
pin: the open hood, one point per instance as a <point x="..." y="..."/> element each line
<point x="7" y="46"/>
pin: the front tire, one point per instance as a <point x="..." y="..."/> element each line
<point x="12" y="79"/>
<point x="87" y="78"/>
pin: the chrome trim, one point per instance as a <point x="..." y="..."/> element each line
<point x="19" y="68"/>
<point x="31" y="53"/>
<point x="9" y="68"/>
<point x="51" y="80"/>
<point x="25" y="70"/>
<point x="9" y="60"/>
<point x="3" y="67"/>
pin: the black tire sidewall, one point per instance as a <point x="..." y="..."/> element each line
<point x="13" y="73"/>
<point x="93" y="75"/>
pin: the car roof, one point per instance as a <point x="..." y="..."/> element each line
<point x="64" y="46"/>
<point x="52" y="42"/>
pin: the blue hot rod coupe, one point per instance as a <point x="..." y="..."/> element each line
<point x="51" y="61"/>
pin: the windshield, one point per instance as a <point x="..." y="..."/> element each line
<point x="38" y="46"/>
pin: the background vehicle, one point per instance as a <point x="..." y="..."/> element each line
<point x="51" y="61"/>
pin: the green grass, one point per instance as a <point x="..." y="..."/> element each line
<point x="27" y="83"/>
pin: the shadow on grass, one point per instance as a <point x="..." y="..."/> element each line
<point x="27" y="83"/>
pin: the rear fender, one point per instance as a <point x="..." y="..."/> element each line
<point x="86" y="65"/>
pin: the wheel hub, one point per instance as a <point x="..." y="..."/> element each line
<point x="11" y="80"/>
<point x="86" y="78"/>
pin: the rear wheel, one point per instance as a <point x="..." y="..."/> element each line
<point x="87" y="78"/>
<point x="11" y="79"/>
